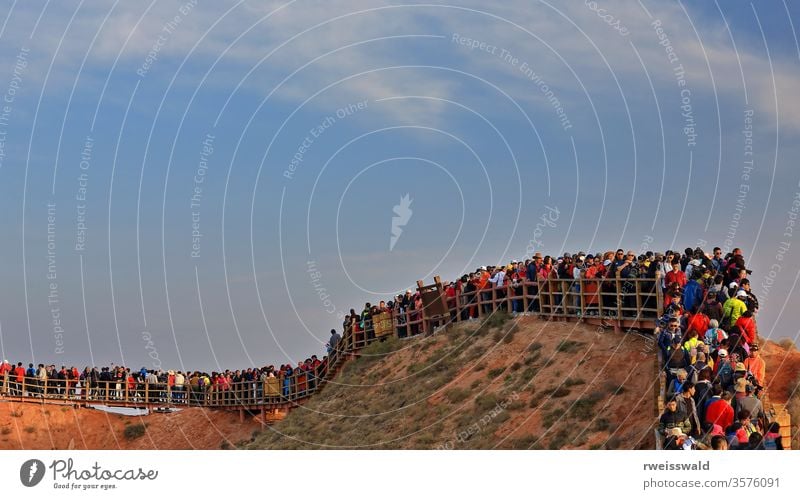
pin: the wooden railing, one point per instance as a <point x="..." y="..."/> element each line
<point x="617" y="300"/>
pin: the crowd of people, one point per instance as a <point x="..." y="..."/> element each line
<point x="715" y="376"/>
<point x="707" y="336"/>
<point x="117" y="383"/>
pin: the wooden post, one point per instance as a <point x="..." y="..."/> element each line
<point x="525" y="299"/>
<point x="619" y="297"/>
<point x="582" y="292"/>
<point x="639" y="311"/>
<point x="458" y="306"/>
<point x="659" y="295"/>
<point x="600" y="295"/>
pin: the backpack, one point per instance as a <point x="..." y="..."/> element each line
<point x="725" y="374"/>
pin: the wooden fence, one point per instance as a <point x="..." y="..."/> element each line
<point x="618" y="302"/>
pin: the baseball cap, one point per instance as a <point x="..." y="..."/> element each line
<point x="741" y="293"/>
<point x="723" y="352"/>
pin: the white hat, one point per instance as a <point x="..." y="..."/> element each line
<point x="733" y="285"/>
<point x="607" y="263"/>
<point x="483" y="267"/>
<point x="741" y="293"/>
<point x="514" y="261"/>
<point x="722" y="352"/>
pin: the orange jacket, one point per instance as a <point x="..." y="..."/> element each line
<point x="756" y="366"/>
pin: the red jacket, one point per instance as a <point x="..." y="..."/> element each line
<point x="719" y="412"/>
<point x="748" y="327"/>
<point x="698" y="322"/>
<point x="673" y="276"/>
<point x="19" y="371"/>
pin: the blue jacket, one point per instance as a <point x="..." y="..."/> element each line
<point x="692" y="295"/>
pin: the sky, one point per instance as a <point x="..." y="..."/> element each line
<point x="194" y="185"/>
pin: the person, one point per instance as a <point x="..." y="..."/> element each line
<point x="772" y="438"/>
<point x="719" y="410"/>
<point x="711" y="307"/>
<point x="19" y="378"/>
<point x="497" y="282"/>
<point x="755" y="441"/>
<point x="677" y="359"/>
<point x="717" y="263"/>
<point x="667" y="335"/>
<point x="531" y="275"/>
<point x="673" y="418"/>
<point x="687" y="406"/>
<point x="676" y="386"/>
<point x="723" y="370"/>
<point x="751" y="300"/>
<point x="703" y="390"/>
<point x="719" y="442"/>
<point x="366" y="321"/>
<point x="714" y="335"/>
<point x="755" y="365"/>
<point x="745" y="419"/>
<point x="693" y="293"/>
<point x="747" y="326"/>
<point x="698" y="325"/>
<point x="180" y="381"/>
<point x="333" y="342"/>
<point x="676" y="439"/>
<point x="750" y="403"/>
<point x="733" y="309"/>
<point x="675" y="275"/>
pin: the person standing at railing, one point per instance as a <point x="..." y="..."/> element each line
<point x="497" y="282"/>
<point x="517" y="278"/>
<point x="531" y="275"/>
<point x="366" y="321"/>
<point x="627" y="270"/>
<point x="41" y="377"/>
<point x="333" y="342"/>
<point x="19" y="376"/>
<point x="286" y="375"/>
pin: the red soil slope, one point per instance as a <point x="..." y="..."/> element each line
<point x="35" y="426"/>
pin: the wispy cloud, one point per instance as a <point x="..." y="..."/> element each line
<point x="556" y="39"/>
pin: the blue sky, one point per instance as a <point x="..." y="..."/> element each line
<point x="574" y="107"/>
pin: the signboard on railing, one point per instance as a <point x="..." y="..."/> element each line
<point x="383" y="324"/>
<point x="433" y="298"/>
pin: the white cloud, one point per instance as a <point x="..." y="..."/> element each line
<point x="275" y="22"/>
